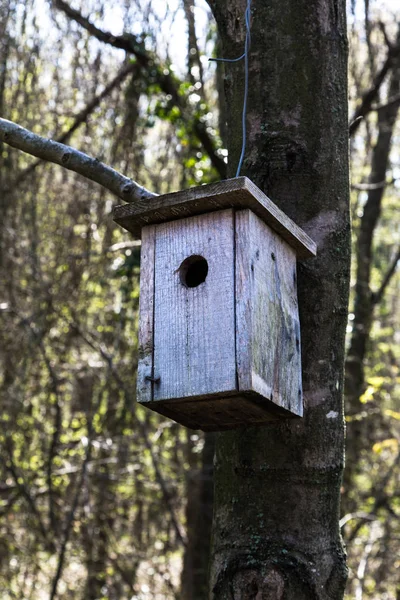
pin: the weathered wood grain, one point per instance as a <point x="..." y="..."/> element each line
<point x="227" y="352"/>
<point x="239" y="192"/>
<point x="194" y="327"/>
<point x="146" y="315"/>
<point x="243" y="299"/>
<point x="267" y="321"/>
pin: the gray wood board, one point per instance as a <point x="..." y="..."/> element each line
<point x="267" y="323"/>
<point x="194" y="328"/>
<point x="239" y="192"/>
<point x="146" y="315"/>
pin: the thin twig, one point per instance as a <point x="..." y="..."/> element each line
<point x="359" y="516"/>
<point x="168" y="83"/>
<point x="377" y="296"/>
<point x="55" y="383"/>
<point x="392" y="101"/>
<point x="19" y="481"/>
<point x="142" y="430"/>
<point x="366" y="103"/>
<point x="373" y="186"/>
<point x="74" y="160"/>
<point x="70" y="521"/>
<point x="381" y="499"/>
<point x="74" y="505"/>
<point x="124" y="245"/>
<point x="80" y="118"/>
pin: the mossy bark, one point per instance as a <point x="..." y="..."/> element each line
<point x="275" y="529"/>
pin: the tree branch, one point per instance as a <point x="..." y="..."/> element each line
<point x="366" y="187"/>
<point x="128" y="42"/>
<point x="55" y="383"/>
<point x="79" y="119"/>
<point x="395" y="100"/>
<point x="168" y="84"/>
<point x="25" y="493"/>
<point x="141" y="426"/>
<point x="70" y="520"/>
<point x="366" y="103"/>
<point x="73" y="160"/>
<point x="377" y="296"/>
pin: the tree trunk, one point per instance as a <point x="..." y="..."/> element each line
<point x="200" y="491"/>
<point x="275" y="528"/>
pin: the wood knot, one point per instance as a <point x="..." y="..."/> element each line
<point x="65" y="158"/>
<point x="126" y="190"/>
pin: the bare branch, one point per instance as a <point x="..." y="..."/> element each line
<point x="25" y="493"/>
<point x="141" y="426"/>
<point x="168" y="83"/>
<point x="381" y="500"/>
<point x="360" y="515"/>
<point x="366" y="103"/>
<point x="388" y="42"/>
<point x="124" y="245"/>
<point x="354" y="125"/>
<point x="395" y="100"/>
<point x="80" y="118"/>
<point x="55" y="388"/>
<point x="71" y="519"/>
<point x="377" y="296"/>
<point x="73" y="160"/>
<point x="366" y="187"/>
<point x="128" y="42"/>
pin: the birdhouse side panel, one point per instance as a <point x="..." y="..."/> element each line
<point x="194" y="307"/>
<point x="146" y="315"/>
<point x="268" y="352"/>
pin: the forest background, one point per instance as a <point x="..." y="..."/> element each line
<point x="100" y="499"/>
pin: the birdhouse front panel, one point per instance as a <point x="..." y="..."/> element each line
<point x="194" y="307"/>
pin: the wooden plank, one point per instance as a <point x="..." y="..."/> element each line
<point x="243" y="299"/>
<point x="194" y="337"/>
<point x="275" y="329"/>
<point x="146" y="315"/>
<point x="239" y="192"/>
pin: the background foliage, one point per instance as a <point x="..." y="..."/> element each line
<point x="98" y="498"/>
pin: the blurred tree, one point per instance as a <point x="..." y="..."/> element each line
<point x="370" y="504"/>
<point x="366" y="299"/>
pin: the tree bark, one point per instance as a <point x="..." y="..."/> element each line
<point x="275" y="528"/>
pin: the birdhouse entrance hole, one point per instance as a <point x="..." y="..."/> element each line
<point x="193" y="271"/>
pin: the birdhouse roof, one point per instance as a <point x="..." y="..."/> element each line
<point x="239" y="192"/>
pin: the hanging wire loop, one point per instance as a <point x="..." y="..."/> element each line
<point x="244" y="56"/>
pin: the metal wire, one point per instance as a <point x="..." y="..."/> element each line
<point x="228" y="59"/>
<point x="246" y="85"/>
<point x="245" y="55"/>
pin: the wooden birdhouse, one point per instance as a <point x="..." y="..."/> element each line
<point x="219" y="332"/>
